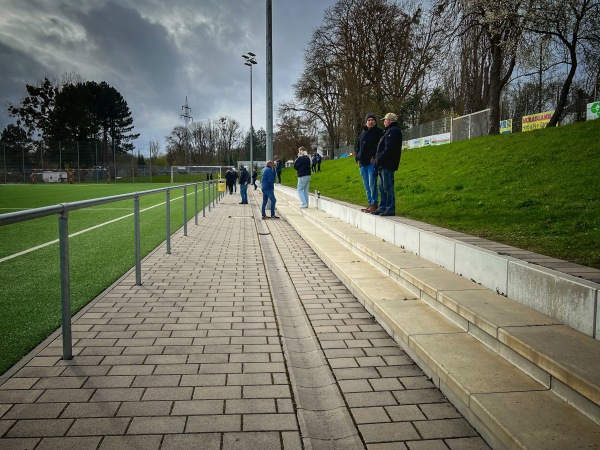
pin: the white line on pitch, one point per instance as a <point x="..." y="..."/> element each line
<point x="29" y="250"/>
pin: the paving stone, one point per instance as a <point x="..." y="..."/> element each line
<point x="64" y="395"/>
<point x="94" y="409"/>
<point x="440" y="411"/>
<point x="404" y="413"/>
<point x="387" y="432"/>
<point x="131" y="442"/>
<point x="388" y="446"/>
<point x="201" y="441"/>
<point x="473" y="443"/>
<point x="270" y="422"/>
<point x="444" y="428"/>
<point x="250" y="406"/>
<point x="213" y="423"/>
<point x="251" y="440"/>
<point x="418" y="396"/>
<point x="35" y="411"/>
<point x="64" y="443"/>
<point x="148" y="408"/>
<point x="427" y="445"/>
<point x="363" y="399"/>
<point x="172" y="393"/>
<point x="157" y="425"/>
<point x="218" y="392"/>
<point x="99" y="426"/>
<point x="370" y="415"/>
<point x="39" y="427"/>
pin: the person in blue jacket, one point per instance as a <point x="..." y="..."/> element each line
<point x="267" y="185"/>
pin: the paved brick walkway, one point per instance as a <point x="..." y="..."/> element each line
<point x="241" y="338"/>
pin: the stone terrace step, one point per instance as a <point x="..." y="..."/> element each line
<point x="522" y="379"/>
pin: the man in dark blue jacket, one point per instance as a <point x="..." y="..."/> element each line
<point x="267" y="185"/>
<point x="365" y="150"/>
<point x="387" y="161"/>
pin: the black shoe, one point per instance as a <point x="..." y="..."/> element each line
<point x="264" y="217"/>
<point x="387" y="213"/>
<point x="274" y="217"/>
<point x="378" y="212"/>
<point x="242" y="203"/>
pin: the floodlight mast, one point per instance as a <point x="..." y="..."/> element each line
<point x="250" y="60"/>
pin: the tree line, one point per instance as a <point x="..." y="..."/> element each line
<point x="452" y="57"/>
<point x="69" y="111"/>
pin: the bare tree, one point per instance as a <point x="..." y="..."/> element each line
<point x="367" y="56"/>
<point x="572" y="25"/>
<point x="154" y="150"/>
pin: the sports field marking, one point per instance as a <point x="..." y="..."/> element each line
<point x="32" y="249"/>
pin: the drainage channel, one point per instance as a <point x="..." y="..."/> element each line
<point x="325" y="422"/>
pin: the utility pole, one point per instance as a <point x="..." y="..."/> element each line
<point x="186" y="119"/>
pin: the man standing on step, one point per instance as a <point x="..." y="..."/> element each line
<point x="364" y="151"/>
<point x="387" y="161"/>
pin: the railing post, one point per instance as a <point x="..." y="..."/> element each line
<point x="203" y="200"/>
<point x="209" y="191"/>
<point x="65" y="283"/>
<point x="136" y="222"/>
<point x="196" y="203"/>
<point x="185" y="210"/>
<point x="168" y="222"/>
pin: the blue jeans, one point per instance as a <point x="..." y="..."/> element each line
<point x="368" y="176"/>
<point x="268" y="195"/>
<point x="386" y="187"/>
<point x="244" y="192"/>
<point x="303" y="183"/>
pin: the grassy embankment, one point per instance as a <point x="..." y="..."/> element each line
<point x="538" y="191"/>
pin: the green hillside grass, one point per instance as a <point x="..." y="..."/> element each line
<point x="538" y="191"/>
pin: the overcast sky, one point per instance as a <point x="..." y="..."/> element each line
<point x="157" y="52"/>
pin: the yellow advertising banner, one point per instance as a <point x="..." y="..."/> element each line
<point x="536" y="121"/>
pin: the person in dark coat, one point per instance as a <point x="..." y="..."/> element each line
<point x="229" y="180"/>
<point x="244" y="181"/>
<point x="254" y="176"/>
<point x="364" y="154"/>
<point x="278" y="168"/>
<point x="387" y="161"/>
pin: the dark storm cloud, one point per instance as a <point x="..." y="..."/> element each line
<point x="158" y="52"/>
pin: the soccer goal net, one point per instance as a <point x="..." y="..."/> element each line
<point x="470" y="126"/>
<point x="195" y="174"/>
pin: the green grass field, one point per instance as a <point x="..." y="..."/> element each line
<point x="538" y="191"/>
<point x="30" y="294"/>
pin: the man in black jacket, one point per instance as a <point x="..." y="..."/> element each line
<point x="244" y="181"/>
<point x="365" y="150"/>
<point x="387" y="161"/>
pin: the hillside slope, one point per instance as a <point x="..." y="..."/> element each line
<point x="538" y="191"/>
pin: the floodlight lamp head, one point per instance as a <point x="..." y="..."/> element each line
<point x="247" y="64"/>
<point x="251" y="54"/>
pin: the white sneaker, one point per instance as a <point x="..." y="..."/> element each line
<point x="303" y="206"/>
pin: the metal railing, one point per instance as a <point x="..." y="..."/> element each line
<point x="63" y="209"/>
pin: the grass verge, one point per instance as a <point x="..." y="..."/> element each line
<point x="537" y="191"/>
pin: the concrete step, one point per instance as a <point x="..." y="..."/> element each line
<point x="480" y="348"/>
